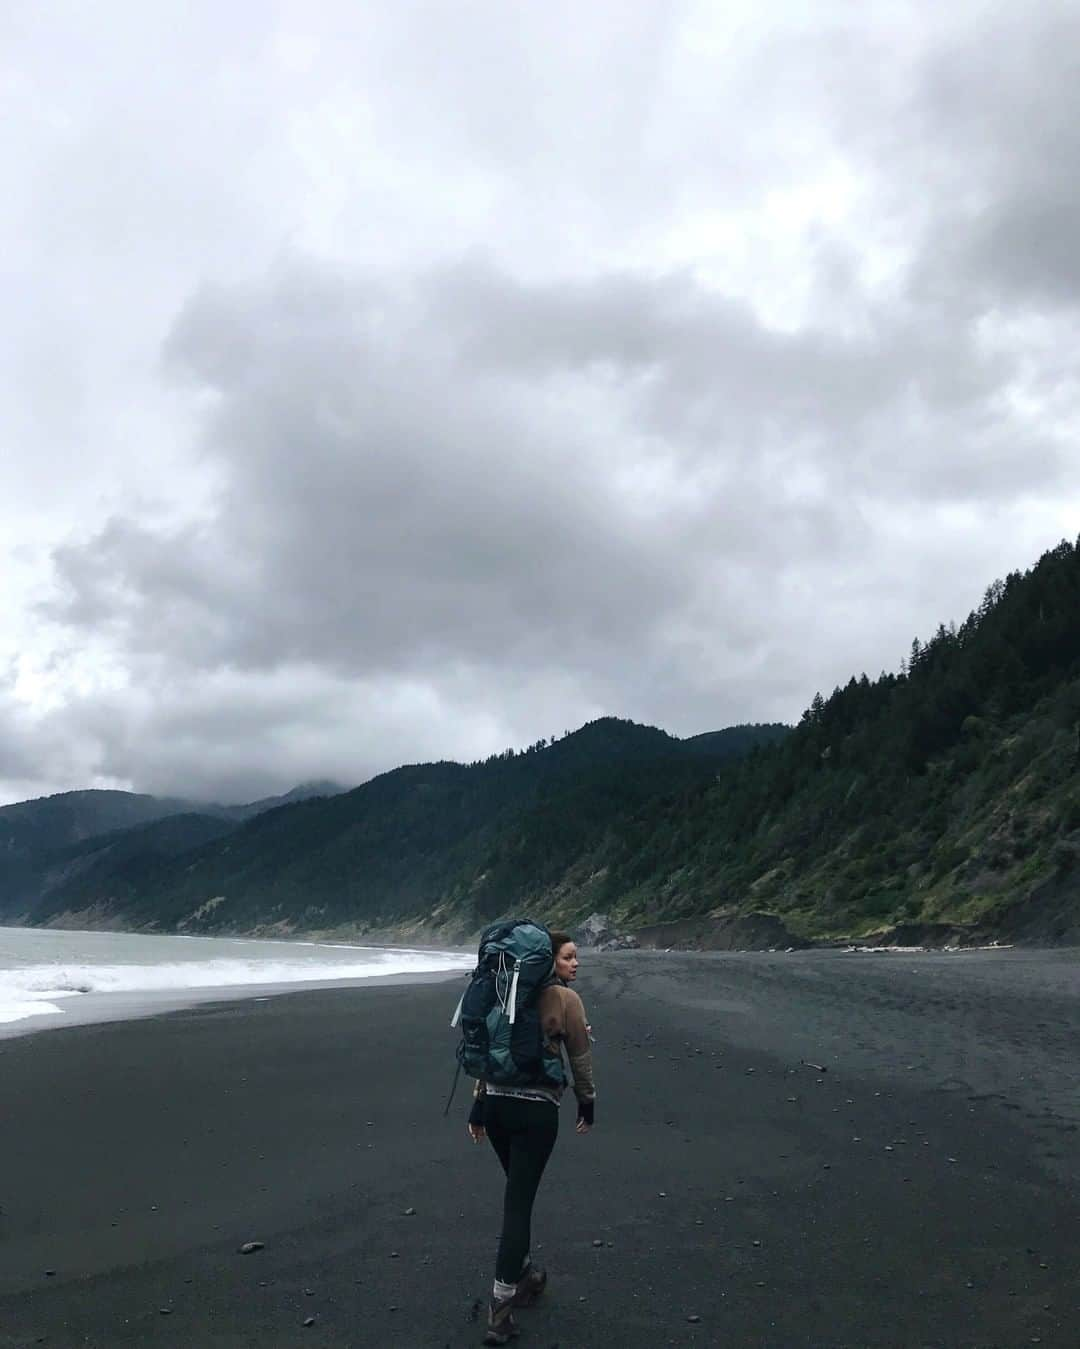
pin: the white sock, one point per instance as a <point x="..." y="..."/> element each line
<point x="503" y="1290"/>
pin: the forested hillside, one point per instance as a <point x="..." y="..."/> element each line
<point x="946" y="794"/>
<point x="31" y="832"/>
<point x="449" y="844"/>
<point x="109" y="839"/>
<point x="941" y="801"/>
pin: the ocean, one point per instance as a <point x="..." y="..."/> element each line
<point x="51" y="978"/>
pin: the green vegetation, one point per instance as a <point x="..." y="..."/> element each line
<point x="944" y="795"/>
<point x="442" y="842"/>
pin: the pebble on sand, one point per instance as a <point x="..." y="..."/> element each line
<point x="249" y="1247"/>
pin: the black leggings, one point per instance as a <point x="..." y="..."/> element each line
<point x="523" y="1134"/>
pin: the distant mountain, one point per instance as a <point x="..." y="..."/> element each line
<point x="68" y="817"/>
<point x="469" y="839"/>
<point x="937" y="804"/>
<point x="119" y="865"/>
<point x="32" y="830"/>
<point x="304" y="792"/>
<point x="55" y="838"/>
<point x="735" y="741"/>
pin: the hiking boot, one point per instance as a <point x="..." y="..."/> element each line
<point x="501" y="1326"/>
<point x="529" y="1287"/>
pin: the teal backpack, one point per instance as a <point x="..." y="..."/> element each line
<point x="502" y="1038"/>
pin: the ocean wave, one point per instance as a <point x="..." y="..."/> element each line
<point x="33" y="990"/>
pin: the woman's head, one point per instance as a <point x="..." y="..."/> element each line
<point x="566" y="956"/>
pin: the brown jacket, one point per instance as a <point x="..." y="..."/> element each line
<point x="562" y="1015"/>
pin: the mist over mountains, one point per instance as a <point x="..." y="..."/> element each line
<point x="46" y="841"/>
<point x="388" y="852"/>
<point x="939" y="803"/>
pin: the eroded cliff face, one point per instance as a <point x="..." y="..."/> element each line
<point x="725" y="932"/>
<point x="1048" y="916"/>
<point x="94" y="918"/>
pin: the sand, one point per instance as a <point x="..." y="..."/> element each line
<point x="922" y="1190"/>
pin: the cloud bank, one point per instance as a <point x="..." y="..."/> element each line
<point x="461" y="396"/>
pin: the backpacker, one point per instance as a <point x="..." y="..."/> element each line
<point x="502" y="1039"/>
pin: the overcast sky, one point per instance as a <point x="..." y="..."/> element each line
<point x="405" y="380"/>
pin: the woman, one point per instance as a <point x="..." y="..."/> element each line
<point x="522" y="1124"/>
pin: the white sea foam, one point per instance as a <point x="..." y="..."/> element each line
<point x="42" y="972"/>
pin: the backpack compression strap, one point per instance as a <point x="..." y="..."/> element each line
<point x="513" y="992"/>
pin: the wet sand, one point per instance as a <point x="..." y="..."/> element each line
<point x="923" y="1190"/>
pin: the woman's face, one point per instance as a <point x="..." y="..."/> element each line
<point x="566" y="962"/>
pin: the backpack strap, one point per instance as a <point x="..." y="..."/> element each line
<point x="513" y="992"/>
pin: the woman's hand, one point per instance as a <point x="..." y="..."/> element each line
<point x="477" y="1132"/>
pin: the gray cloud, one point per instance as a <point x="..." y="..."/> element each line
<point x="603" y="484"/>
<point x="997" y="112"/>
<point x="391" y="387"/>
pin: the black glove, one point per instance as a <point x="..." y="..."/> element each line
<point x="478" y="1112"/>
<point x="585" y="1111"/>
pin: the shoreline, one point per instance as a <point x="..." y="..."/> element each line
<point x="743" y="932"/>
<point x="51" y="978"/>
<point x="423" y="942"/>
<point x="97" y="1009"/>
<point x="798" y="1151"/>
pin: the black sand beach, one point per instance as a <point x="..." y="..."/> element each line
<point x="923" y="1191"/>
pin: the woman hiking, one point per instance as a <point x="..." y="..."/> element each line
<point x="522" y="1124"/>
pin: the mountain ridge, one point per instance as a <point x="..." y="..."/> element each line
<point x="335" y="849"/>
<point x="59" y="834"/>
<point x="938" y="803"/>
